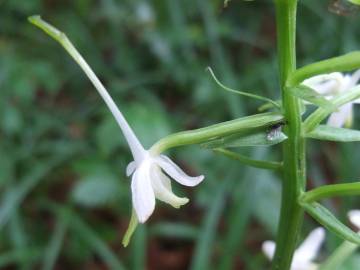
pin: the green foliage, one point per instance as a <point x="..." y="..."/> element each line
<point x="308" y="94"/>
<point x="328" y="133"/>
<point x="57" y="139"/>
<point x="96" y="191"/>
<point x="329" y="221"/>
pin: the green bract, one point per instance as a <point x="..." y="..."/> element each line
<point x="328" y="133"/>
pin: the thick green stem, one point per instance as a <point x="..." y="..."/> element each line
<point x="294" y="147"/>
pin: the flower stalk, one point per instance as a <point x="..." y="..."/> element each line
<point x="293" y="184"/>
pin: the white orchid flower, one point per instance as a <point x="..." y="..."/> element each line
<point x="305" y="254"/>
<point x="148" y="180"/>
<point x="354" y="217"/>
<point x="331" y="85"/>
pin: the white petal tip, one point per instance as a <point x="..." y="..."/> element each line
<point x="268" y="248"/>
<point x="354" y="217"/>
<point x="180" y="202"/>
<point x="318" y="235"/>
<point x="194" y="180"/>
<point x="199" y="179"/>
<point x="320" y="231"/>
<point x="175" y="172"/>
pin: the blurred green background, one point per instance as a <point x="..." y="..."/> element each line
<point x="64" y="198"/>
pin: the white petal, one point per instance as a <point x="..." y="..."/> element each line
<point x="304" y="266"/>
<point x="268" y="248"/>
<point x="354" y="216"/>
<point x="340" y="118"/>
<point x="162" y="187"/>
<point x="175" y="172"/>
<point x="326" y="84"/>
<point x="355" y="77"/>
<point x="130" y="168"/>
<point x="308" y="250"/>
<point x="143" y="197"/>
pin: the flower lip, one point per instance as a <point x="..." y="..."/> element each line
<point x="149" y="182"/>
<point x="304" y="254"/>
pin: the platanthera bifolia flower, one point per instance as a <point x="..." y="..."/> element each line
<point x="354" y="217"/>
<point x="148" y="179"/>
<point x="305" y="254"/>
<point x="332" y="84"/>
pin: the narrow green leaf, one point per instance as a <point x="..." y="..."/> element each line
<point x="258" y="138"/>
<point x="329" y="221"/>
<point x="263" y="164"/>
<point x="346" y="62"/>
<point x="207" y="235"/>
<point x="310" y="95"/>
<point x="175" y="230"/>
<point x="328" y="133"/>
<point x="15" y="196"/>
<point x="53" y="249"/>
<point x="95" y="242"/>
<point x="327" y="191"/>
<point x="26" y="255"/>
<point x="339" y="256"/>
<point x="139" y="249"/>
<point x="238" y="218"/>
<point x="18" y="237"/>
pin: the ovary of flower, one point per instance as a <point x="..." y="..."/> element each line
<point x="354" y="217"/>
<point x="305" y="254"/>
<point x="332" y="84"/>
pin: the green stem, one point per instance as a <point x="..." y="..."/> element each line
<point x="291" y="214"/>
<point x="328" y="191"/>
<point x="262" y="164"/>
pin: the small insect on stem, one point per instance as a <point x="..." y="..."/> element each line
<point x="275" y="131"/>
